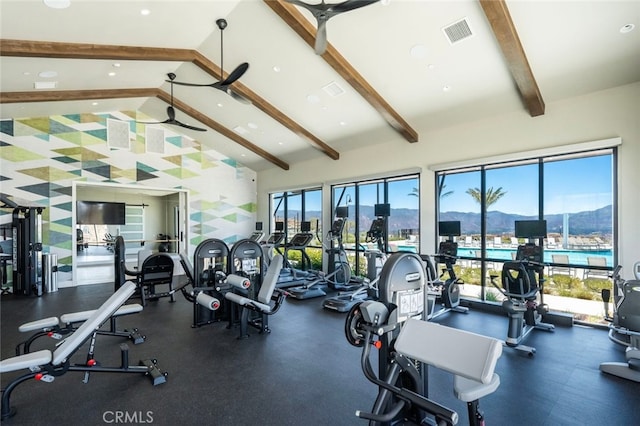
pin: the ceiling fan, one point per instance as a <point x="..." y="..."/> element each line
<point x="171" y="112"/>
<point x="225" y="85"/>
<point x="323" y="11"/>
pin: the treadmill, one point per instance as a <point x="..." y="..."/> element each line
<point x="257" y="235"/>
<point x="290" y="276"/>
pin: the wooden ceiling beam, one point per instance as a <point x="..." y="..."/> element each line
<point x="74" y="95"/>
<point x="212" y="69"/>
<point x="82" y="95"/>
<point x="505" y="32"/>
<point x="222" y="129"/>
<point x="49" y="49"/>
<point x="305" y="29"/>
<point x="28" y="48"/>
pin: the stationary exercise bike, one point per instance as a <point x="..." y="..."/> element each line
<point x="443" y="296"/>
<point x="522" y="284"/>
<point x="625" y="326"/>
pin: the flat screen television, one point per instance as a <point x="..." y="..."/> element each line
<point x="100" y="213"/>
<point x="530" y="229"/>
<point x="279" y="226"/>
<point x="381" y="210"/>
<point x="305" y="226"/>
<point x="449" y="228"/>
<point x="258" y="226"/>
<point x="342" y="211"/>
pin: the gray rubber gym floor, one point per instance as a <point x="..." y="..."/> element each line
<point x="303" y="373"/>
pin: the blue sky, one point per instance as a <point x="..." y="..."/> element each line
<point x="571" y="186"/>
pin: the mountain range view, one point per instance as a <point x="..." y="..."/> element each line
<point x="592" y="222"/>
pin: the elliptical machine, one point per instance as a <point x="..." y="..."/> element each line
<point x="522" y="283"/>
<point x="444" y="296"/>
<point x="625" y="326"/>
<point x="344" y="300"/>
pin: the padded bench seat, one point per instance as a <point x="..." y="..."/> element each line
<point x="74" y="317"/>
<point x="470" y="357"/>
<point x="33" y="359"/>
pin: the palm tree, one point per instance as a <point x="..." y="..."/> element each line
<point x="415" y="192"/>
<point x="491" y="198"/>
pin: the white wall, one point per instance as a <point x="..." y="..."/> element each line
<point x="601" y="115"/>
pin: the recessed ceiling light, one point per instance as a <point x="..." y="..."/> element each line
<point x="116" y="65"/>
<point x="446" y="89"/>
<point x="243" y="155"/>
<point x="252" y="126"/>
<point x="313" y="99"/>
<point x="385" y="2"/>
<point x="26" y="73"/>
<point x="280" y="143"/>
<point x="145" y="12"/>
<point x="418" y="51"/>
<point x="627" y="28"/>
<point x="48" y="74"/>
<point x="431" y="66"/>
<point x="111" y="74"/>
<point x="94" y="103"/>
<point x="58" y="4"/>
<point x="276" y="68"/>
<point x="343" y="123"/>
<point x="324" y="107"/>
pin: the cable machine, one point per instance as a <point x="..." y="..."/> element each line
<point x="26" y="223"/>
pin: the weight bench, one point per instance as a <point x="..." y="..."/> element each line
<point x="470" y="357"/>
<point x="68" y="323"/>
<point x="45" y="365"/>
<point x="262" y="303"/>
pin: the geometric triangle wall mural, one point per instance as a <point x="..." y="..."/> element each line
<point x="42" y="157"/>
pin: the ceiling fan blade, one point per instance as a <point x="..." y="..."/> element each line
<point x="350" y="5"/>
<point x="151" y="122"/>
<point x="191" y="84"/>
<point x="235" y="74"/>
<point x="238" y="97"/>
<point x="321" y="37"/>
<point x="313" y="8"/>
<point x="186" y="126"/>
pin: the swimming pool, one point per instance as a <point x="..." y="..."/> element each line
<point x="576" y="257"/>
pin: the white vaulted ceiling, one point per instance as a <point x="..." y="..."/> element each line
<point x="395" y="66"/>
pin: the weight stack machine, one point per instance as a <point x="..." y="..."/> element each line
<point x="27" y="250"/>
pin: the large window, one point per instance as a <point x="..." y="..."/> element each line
<point x="294" y="207"/>
<point x="403" y="225"/>
<point x="574" y="194"/>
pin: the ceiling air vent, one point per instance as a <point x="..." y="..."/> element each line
<point x="458" y="31"/>
<point x="333" y="89"/>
